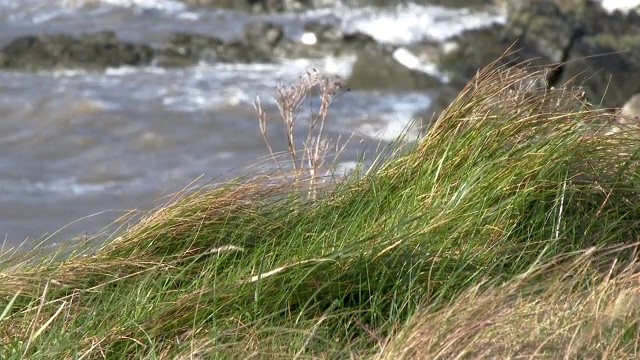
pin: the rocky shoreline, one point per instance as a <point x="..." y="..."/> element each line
<point x="595" y="49"/>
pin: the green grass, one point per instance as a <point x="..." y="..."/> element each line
<point x="509" y="230"/>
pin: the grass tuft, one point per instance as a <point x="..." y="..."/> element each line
<point x="509" y="230"/>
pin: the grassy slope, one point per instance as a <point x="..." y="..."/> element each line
<point x="508" y="230"/>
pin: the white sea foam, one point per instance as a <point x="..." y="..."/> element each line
<point x="411" y="23"/>
<point x="62" y="73"/>
<point x="340" y="66"/>
<point x="393" y="128"/>
<point x="343" y="168"/>
<point x="410" y="60"/>
<point x="63" y="187"/>
<point x="395" y="113"/>
<point x="208" y="86"/>
<point x="623" y="5"/>
<point x="164" y="5"/>
<point x="129" y="70"/>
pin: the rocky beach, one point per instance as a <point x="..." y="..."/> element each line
<point x="109" y="105"/>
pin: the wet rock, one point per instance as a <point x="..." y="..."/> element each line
<point x="292" y="5"/>
<point x="445" y="3"/>
<point x="261" y="6"/>
<point x="263" y="35"/>
<point x="330" y="40"/>
<point x="542" y="27"/>
<point x="512" y="6"/>
<point x="183" y="49"/>
<point x="357" y="40"/>
<point x="596" y="49"/>
<point x="324" y="32"/>
<point x="590" y="47"/>
<point x="462" y="3"/>
<point x="377" y="69"/>
<point x="535" y="34"/>
<point x="224" y="4"/>
<point x="607" y="66"/>
<point x="538" y="32"/>
<point x="262" y="42"/>
<point x="91" y="51"/>
<point x="464" y="55"/>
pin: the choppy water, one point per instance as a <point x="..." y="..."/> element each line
<point x="76" y="143"/>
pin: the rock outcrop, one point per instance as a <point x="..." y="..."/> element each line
<point x="587" y="46"/>
<point x="90" y="51"/>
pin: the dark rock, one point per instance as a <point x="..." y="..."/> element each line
<point x="376" y="69"/>
<point x="445" y="3"/>
<point x="476" y="49"/>
<point x="607" y="66"/>
<point x="540" y="30"/>
<point x="542" y="27"/>
<point x="358" y="39"/>
<point x="324" y="32"/>
<point x="241" y="52"/>
<point x="263" y="35"/>
<point x="223" y="4"/>
<point x="461" y="3"/>
<point x="91" y="51"/>
<point x="592" y="19"/>
<point x="345" y="45"/>
<point x="263" y="41"/>
<point x="261" y="6"/>
<point x="182" y="49"/>
<point x="573" y="37"/>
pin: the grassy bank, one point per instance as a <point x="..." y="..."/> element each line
<point x="508" y="230"/>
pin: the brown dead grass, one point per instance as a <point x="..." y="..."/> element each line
<point x="590" y="310"/>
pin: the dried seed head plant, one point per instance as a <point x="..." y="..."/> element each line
<point x="306" y="162"/>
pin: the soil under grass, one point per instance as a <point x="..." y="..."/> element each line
<point x="508" y="230"/>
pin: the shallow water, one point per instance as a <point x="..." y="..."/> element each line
<point x="76" y="143"/>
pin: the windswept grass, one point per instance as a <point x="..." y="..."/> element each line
<point x="509" y="230"/>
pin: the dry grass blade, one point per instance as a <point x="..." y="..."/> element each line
<point x="285" y="267"/>
<point x="48" y="322"/>
<point x="527" y="317"/>
<point x="36" y="318"/>
<point x="262" y="121"/>
<point x="306" y="162"/>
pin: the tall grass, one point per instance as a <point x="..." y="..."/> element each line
<point x="509" y="230"/>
